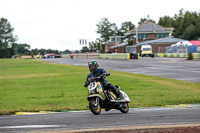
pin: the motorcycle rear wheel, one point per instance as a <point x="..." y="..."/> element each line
<point x="124" y="108"/>
<point x="96" y="110"/>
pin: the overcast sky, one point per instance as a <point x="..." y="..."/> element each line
<point x="58" y="24"/>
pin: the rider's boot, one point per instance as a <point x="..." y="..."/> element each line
<point x="117" y="93"/>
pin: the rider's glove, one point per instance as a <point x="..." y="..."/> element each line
<point x="104" y="75"/>
<point x="86" y="83"/>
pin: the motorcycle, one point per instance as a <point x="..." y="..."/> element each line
<point x="99" y="98"/>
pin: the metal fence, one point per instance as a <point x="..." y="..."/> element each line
<point x="181" y="49"/>
<point x="131" y="49"/>
<point x="114" y="56"/>
<point x="82" y="55"/>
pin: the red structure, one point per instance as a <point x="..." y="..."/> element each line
<point x="195" y="42"/>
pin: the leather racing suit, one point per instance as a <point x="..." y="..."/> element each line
<point x="103" y="80"/>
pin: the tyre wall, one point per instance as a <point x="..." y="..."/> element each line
<point x="194" y="56"/>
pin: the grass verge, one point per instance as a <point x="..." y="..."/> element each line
<point x="32" y="85"/>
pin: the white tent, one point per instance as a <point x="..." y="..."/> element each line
<point x="183" y="43"/>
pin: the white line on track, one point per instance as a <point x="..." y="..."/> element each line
<point x="29" y="126"/>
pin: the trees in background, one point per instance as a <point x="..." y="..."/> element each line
<point x="127" y="26"/>
<point x="9" y="47"/>
<point x="85" y="49"/>
<point x="144" y="20"/>
<point x="7" y="39"/>
<point x="106" y="28"/>
<point x="44" y="51"/>
<point x="23" y="49"/>
<point x="186" y="24"/>
<point x="67" y="51"/>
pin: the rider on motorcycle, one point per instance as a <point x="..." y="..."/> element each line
<point x="95" y="72"/>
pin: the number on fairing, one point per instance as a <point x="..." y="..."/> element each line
<point x="92" y="86"/>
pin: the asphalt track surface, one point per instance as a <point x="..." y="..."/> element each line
<point x="112" y="119"/>
<point x="175" y="68"/>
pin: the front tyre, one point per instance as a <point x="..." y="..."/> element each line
<point x="124" y="108"/>
<point x="94" y="107"/>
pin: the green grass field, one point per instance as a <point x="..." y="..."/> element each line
<point x="32" y="85"/>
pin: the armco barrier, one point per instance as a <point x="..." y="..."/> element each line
<point x="175" y="55"/>
<point x="119" y="56"/>
<point x="29" y="56"/>
<point x="82" y="55"/>
<point x="195" y="56"/>
<point x="65" y="56"/>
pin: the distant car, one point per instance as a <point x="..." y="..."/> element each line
<point x="53" y="55"/>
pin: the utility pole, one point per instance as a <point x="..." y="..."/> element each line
<point x="136" y="35"/>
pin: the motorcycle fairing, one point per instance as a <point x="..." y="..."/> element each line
<point x="125" y="96"/>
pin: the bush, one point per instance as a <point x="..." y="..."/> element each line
<point x="130" y="42"/>
<point x="32" y="55"/>
<point x="16" y="56"/>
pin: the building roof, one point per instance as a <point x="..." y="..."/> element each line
<point x="166" y="40"/>
<point x="152" y="27"/>
<point x="119" y="45"/>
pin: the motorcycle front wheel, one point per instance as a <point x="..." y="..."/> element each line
<point x="124" y="108"/>
<point x="96" y="110"/>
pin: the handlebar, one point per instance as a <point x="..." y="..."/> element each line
<point x="94" y="78"/>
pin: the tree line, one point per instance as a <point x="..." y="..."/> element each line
<point x="9" y="47"/>
<point x="186" y="25"/>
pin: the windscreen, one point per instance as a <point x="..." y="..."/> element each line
<point x="146" y="49"/>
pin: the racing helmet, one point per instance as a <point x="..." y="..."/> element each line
<point x="93" y="66"/>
